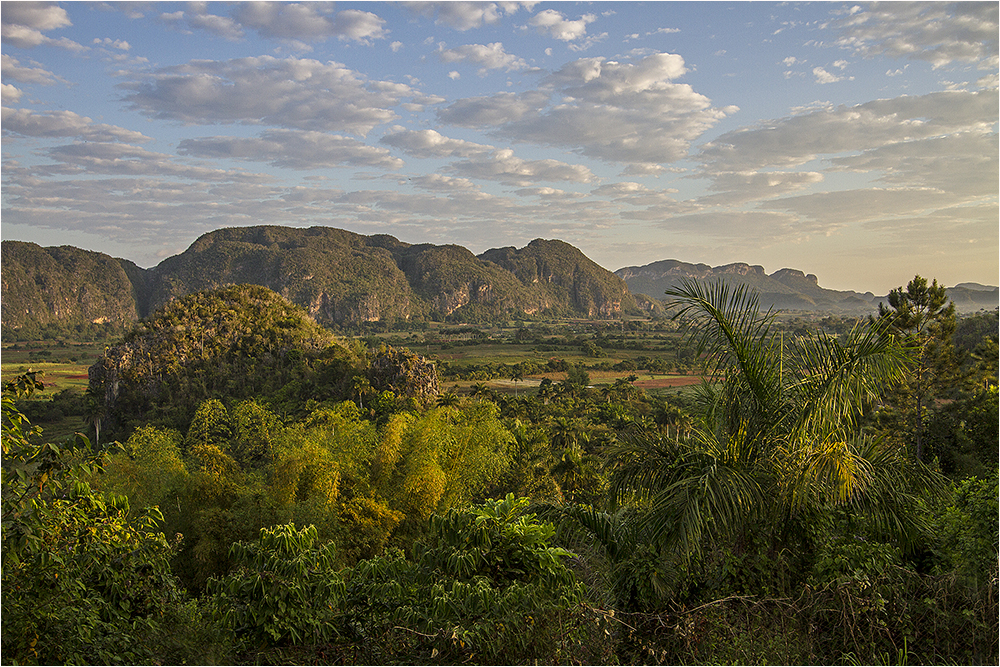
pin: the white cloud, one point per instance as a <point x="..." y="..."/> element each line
<point x="736" y="188"/>
<point x="822" y="76"/>
<point x="36" y="15"/>
<point x="963" y="164"/>
<point x="555" y="25"/>
<point x="454" y="76"/>
<point x="396" y="46"/>
<point x="494" y="110"/>
<point x="10" y="94"/>
<point x="487" y="56"/>
<point x="119" y="44"/>
<point x="292" y="149"/>
<point x="938" y="32"/>
<point x="467" y="15"/>
<point x="309" y="21"/>
<point x="439" y="183"/>
<point x="22" y="24"/>
<point x="792" y="141"/>
<point x="198" y="18"/>
<point x="432" y="144"/>
<point x="503" y="166"/>
<point x="612" y="111"/>
<point x="12" y="69"/>
<point x="27" y="123"/>
<point x="295" y="93"/>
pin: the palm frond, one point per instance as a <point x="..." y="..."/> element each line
<point x="834" y="381"/>
<point x="690" y="492"/>
<point x="728" y="326"/>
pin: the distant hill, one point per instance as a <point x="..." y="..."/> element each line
<point x="343" y="278"/>
<point x="563" y="278"/>
<point x="66" y="285"/>
<point x="787" y="289"/>
<point x="339" y="277"/>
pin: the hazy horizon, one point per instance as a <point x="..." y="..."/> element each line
<point x="852" y="141"/>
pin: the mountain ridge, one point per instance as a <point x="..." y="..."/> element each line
<point x="343" y="278"/>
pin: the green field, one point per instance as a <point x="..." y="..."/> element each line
<point x="63" y="370"/>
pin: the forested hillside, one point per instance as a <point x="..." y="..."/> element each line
<point x="279" y="495"/>
<point x="345" y="280"/>
<point x="66" y="286"/>
<point x="339" y="277"/>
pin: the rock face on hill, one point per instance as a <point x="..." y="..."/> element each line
<point x="563" y="279"/>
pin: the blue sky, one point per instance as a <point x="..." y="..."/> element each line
<point x="857" y="142"/>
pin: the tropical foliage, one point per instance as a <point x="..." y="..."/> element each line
<point x="329" y="501"/>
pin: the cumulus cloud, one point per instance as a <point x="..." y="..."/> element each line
<point x="292" y="149"/>
<point x="658" y="200"/>
<point x="503" y="166"/>
<point x="27" y="123"/>
<point x="608" y="110"/>
<point x="119" y="44"/>
<point x="10" y="94"/>
<point x="549" y="194"/>
<point x="12" y="69"/>
<point x="309" y="21"/>
<point x="440" y="183"/>
<point x="23" y="24"/>
<point x="36" y="15"/>
<point x="929" y="152"/>
<point x="938" y="32"/>
<point x="736" y="188"/>
<point x="466" y="15"/>
<point x="198" y="18"/>
<point x="432" y="144"/>
<point x="494" y="110"/>
<point x="293" y="93"/>
<point x="822" y="76"/>
<point x="795" y="140"/>
<point x="554" y="24"/>
<point x="487" y="56"/>
<point x="97" y="159"/>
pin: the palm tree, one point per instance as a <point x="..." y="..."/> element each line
<point x="516" y="374"/>
<point x="480" y="390"/>
<point x="546" y="389"/>
<point x="95" y="411"/>
<point x="360" y="386"/>
<point x="447" y="399"/>
<point x="779" y="432"/>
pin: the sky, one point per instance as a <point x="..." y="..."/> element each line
<point x="853" y="141"/>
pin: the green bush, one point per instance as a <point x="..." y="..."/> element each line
<point x="82" y="581"/>
<point x="284" y="589"/>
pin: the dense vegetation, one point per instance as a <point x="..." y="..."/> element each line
<point x="279" y="495"/>
<point x="66" y="289"/>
